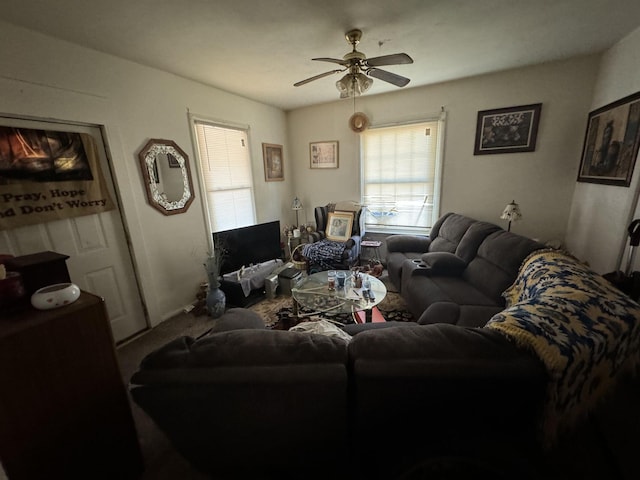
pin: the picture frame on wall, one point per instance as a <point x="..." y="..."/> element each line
<point x="507" y="130"/>
<point x="173" y="161"/>
<point x="273" y="162"/>
<point x="611" y="143"/>
<point x="339" y="225"/>
<point x="323" y="154"/>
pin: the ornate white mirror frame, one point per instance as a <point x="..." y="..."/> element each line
<point x="167" y="176"/>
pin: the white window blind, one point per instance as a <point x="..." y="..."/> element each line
<point x="225" y="166"/>
<point x="401" y="176"/>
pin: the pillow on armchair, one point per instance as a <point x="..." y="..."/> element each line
<point x="327" y="254"/>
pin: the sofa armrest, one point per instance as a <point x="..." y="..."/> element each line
<point x="407" y="243"/>
<point x="443" y="263"/>
<point x="316" y="236"/>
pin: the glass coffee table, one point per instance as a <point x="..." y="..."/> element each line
<point x="313" y="293"/>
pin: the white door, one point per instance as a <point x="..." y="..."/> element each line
<point x="99" y="257"/>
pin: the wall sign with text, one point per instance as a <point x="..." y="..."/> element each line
<point x="47" y="175"/>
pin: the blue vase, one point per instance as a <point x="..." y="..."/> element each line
<point x="216" y="301"/>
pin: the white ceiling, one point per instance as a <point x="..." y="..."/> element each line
<point x="259" y="49"/>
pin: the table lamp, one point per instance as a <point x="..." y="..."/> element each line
<point x="297" y="206"/>
<point x="512" y="213"/>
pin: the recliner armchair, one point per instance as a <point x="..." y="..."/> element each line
<point x="324" y="254"/>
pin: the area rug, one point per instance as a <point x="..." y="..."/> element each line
<point x="278" y="312"/>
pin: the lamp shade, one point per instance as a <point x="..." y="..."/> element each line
<point x="511" y="212"/>
<point x="297" y="204"/>
<point x="353" y="84"/>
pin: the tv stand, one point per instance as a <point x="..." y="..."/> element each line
<point x="236" y="297"/>
<point x="250" y="289"/>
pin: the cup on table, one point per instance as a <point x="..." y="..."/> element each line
<point x="340" y="279"/>
<point x="331" y="279"/>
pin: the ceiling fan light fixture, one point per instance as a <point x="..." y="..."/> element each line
<point x="353" y="84"/>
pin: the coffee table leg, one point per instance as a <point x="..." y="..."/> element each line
<point x="368" y="315"/>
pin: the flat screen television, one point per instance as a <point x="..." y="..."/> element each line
<point x="247" y="245"/>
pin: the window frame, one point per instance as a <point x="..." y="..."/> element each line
<point x="194" y="120"/>
<point x="440" y="119"/>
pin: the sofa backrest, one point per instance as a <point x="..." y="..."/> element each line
<point x="447" y="232"/>
<point x="497" y="261"/>
<point x="473" y="238"/>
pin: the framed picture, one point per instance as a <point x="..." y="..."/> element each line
<point x="339" y="226"/>
<point x="323" y="154"/>
<point x="173" y="161"/>
<point x="611" y="143"/>
<point x="507" y="130"/>
<point x="273" y="162"/>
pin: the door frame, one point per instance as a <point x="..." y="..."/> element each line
<point x="114" y="189"/>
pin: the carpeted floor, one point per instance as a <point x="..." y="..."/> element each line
<point x="279" y="311"/>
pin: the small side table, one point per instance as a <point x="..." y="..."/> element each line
<point x="374" y="245"/>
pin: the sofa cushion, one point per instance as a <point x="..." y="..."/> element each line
<point x="497" y="261"/>
<point x="420" y="291"/>
<point x="461" y="315"/>
<point x="443" y="263"/>
<point x="472" y="238"/>
<point x="248" y="347"/>
<point x="450" y="233"/>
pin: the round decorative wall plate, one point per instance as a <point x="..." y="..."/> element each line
<point x="358" y="122"/>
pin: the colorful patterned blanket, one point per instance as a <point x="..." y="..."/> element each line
<point x="583" y="329"/>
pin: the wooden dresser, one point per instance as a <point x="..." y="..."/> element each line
<point x="64" y="409"/>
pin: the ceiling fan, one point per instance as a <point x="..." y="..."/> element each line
<point x="360" y="68"/>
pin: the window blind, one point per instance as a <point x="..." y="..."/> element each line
<point x="225" y="166"/>
<point x="400" y="176"/>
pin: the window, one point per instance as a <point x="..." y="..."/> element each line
<point x="401" y="176"/>
<point x="225" y="170"/>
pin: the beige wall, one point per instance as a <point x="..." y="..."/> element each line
<point x="542" y="182"/>
<point x="600" y="214"/>
<point x="46" y="78"/>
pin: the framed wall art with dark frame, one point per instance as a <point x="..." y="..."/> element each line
<point x="611" y="143"/>
<point x="507" y="130"/>
<point x="323" y="154"/>
<point x="173" y="161"/>
<point x="273" y="162"/>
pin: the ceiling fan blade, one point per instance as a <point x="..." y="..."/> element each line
<point x="395" y="59"/>
<point x="397" y="80"/>
<point x="332" y="60"/>
<point x="325" y="74"/>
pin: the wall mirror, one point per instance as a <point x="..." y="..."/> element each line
<point x="167" y="176"/>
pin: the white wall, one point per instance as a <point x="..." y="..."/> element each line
<point x="600" y="214"/>
<point x="542" y="182"/>
<point x="47" y="78"/>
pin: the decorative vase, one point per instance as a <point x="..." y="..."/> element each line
<point x="216" y="301"/>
